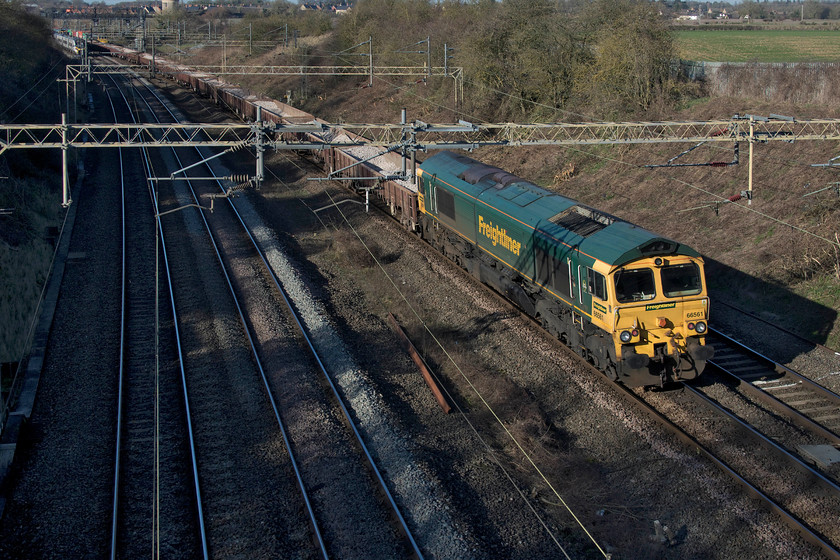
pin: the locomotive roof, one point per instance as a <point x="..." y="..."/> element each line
<point x="595" y="233"/>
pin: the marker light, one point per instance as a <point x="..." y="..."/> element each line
<point x="662" y="322"/>
<point x="700" y="327"/>
<point x="625" y="336"/>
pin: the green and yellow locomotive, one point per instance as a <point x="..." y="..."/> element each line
<point x="631" y="302"/>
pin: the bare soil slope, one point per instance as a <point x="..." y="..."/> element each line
<point x="777" y="257"/>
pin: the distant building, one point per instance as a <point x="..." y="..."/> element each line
<point x="336" y="8"/>
<point x="168" y="5"/>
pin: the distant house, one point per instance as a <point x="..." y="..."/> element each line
<point x="321" y="7"/>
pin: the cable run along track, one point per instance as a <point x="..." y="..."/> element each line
<point x="348" y="494"/>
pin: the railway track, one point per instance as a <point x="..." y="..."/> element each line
<point x="804" y="402"/>
<point x="771" y="429"/>
<point x="347" y="493"/>
<point x="148" y="489"/>
<point x="800" y="496"/>
<point x="775" y="325"/>
<point x="282" y="340"/>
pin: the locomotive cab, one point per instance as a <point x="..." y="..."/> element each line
<point x="660" y="314"/>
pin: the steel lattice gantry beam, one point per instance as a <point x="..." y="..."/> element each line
<point x="468" y="135"/>
<point x="415" y="135"/>
<point x="411" y="137"/>
<point x="126" y="135"/>
<point x="454" y="72"/>
<point x="75" y="71"/>
<point x="327" y="70"/>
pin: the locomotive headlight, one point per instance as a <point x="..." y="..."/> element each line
<point x="700" y="327"/>
<point x="625" y="336"/>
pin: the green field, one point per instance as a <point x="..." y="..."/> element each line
<point x="717" y="45"/>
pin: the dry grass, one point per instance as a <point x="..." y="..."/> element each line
<point x="779" y="241"/>
<point x="350" y="252"/>
<point x="24" y="258"/>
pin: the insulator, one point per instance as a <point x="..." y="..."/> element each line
<point x="734" y="198"/>
<point x="236" y="148"/>
<point x="239" y="187"/>
<point x="239" y="178"/>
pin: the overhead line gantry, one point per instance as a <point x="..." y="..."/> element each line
<point x="414" y="136"/>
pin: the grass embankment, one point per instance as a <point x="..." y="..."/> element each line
<point x="718" y="45"/>
<point x="29" y="66"/>
<point x="764" y="263"/>
<point x="765" y="266"/>
<point x="25" y="257"/>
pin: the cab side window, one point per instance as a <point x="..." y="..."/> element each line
<point x="596" y="284"/>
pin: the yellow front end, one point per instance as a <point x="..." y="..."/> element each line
<point x="660" y="317"/>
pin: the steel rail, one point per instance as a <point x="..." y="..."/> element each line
<point x="252" y="344"/>
<point x="193" y="456"/>
<point x="121" y="375"/>
<point x="799" y="418"/>
<point x="789" y="519"/>
<point x="287" y="300"/>
<point x="791" y="458"/>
